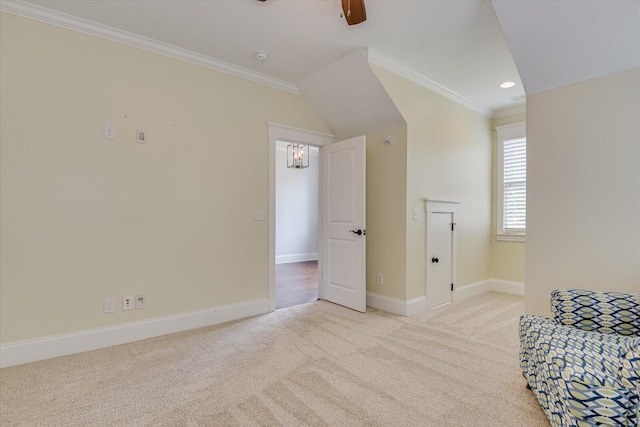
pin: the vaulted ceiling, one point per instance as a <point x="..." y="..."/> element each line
<point x="556" y="43"/>
<point x="457" y="48"/>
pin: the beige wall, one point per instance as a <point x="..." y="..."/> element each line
<point x="507" y="258"/>
<point x="448" y="158"/>
<point x="83" y="218"/>
<point x="386" y="219"/>
<point x="583" y="195"/>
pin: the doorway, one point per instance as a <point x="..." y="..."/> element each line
<point x="278" y="132"/>
<point x="341" y="258"/>
<point x="297" y="219"/>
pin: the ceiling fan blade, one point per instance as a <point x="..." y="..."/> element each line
<point x="358" y="12"/>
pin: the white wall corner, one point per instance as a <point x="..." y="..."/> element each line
<point x="21" y="352"/>
<point x="397" y="306"/>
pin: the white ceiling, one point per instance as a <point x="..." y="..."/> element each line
<point x="458" y="45"/>
<point x="559" y="42"/>
<point x="455" y="47"/>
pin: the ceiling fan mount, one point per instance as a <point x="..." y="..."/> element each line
<point x="353" y="11"/>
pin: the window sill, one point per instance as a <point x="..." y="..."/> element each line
<point x="510" y="237"/>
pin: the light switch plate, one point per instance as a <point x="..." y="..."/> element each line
<point x="141" y="136"/>
<point x="415" y="214"/>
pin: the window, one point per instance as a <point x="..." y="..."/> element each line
<point x="512" y="182"/>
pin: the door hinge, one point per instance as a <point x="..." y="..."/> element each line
<point x="453" y="225"/>
<point x="452" y="287"/>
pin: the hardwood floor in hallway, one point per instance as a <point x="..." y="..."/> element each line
<point x="296" y="283"/>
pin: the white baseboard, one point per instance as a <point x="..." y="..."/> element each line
<point x="18" y="353"/>
<point x="507" y="287"/>
<point x="471" y="290"/>
<point x="416" y="306"/>
<point x="419" y="305"/>
<point x="284" y="259"/>
<point x="496" y="285"/>
<point x="395" y="305"/>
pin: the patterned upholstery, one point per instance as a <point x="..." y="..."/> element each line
<point x="606" y="312"/>
<point x="585" y="376"/>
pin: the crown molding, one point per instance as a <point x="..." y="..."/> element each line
<point x="400" y="69"/>
<point x="510" y="111"/>
<point x="91" y="28"/>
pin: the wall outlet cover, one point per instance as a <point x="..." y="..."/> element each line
<point x="109" y="305"/>
<point x="258" y="215"/>
<point x="109" y="131"/>
<point x="127" y="303"/>
<point x="140" y="301"/>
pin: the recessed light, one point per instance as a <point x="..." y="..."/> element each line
<point x="262" y="55"/>
<point x="507" y="85"/>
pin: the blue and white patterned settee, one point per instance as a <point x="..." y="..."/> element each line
<point x="584" y="364"/>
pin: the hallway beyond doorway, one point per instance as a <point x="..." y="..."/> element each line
<point x="296" y="283"/>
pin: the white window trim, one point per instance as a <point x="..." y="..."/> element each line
<point x="505" y="133"/>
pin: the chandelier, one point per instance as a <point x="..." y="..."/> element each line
<point x="297" y="156"/>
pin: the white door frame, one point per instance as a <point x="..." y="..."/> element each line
<point x="440" y="206"/>
<point x="278" y="132"/>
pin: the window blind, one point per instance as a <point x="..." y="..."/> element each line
<point x="515" y="185"/>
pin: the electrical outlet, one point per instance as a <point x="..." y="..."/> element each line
<point x="258" y="215"/>
<point x="140" y="300"/>
<point x="109" y="305"/>
<point x="379" y="279"/>
<point x="109" y="131"/>
<point x="127" y="303"/>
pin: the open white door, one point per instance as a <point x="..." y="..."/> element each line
<point x="343" y="223"/>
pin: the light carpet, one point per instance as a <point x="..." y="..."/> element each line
<point x="317" y="364"/>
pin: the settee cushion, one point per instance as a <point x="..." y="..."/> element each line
<point x="605" y="312"/>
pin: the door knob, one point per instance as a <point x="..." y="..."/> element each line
<point x="434" y="259"/>
<point x="359" y="232"/>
